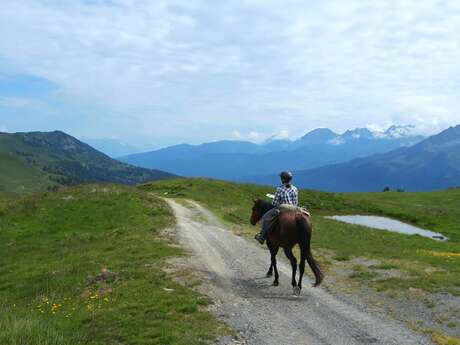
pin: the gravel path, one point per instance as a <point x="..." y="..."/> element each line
<point x="234" y="273"/>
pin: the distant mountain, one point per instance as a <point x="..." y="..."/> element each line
<point x="431" y="164"/>
<point x="35" y="161"/>
<point x="233" y="160"/>
<point x="112" y="147"/>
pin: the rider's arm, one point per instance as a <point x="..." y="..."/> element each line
<point x="276" y="200"/>
<point x="296" y="201"/>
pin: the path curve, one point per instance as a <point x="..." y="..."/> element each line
<point x="234" y="270"/>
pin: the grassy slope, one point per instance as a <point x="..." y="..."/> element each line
<point x="17" y="176"/>
<point x="35" y="161"/>
<point x="438" y="211"/>
<point x="83" y="266"/>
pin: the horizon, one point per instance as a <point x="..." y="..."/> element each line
<point x="156" y="74"/>
<point x="133" y="149"/>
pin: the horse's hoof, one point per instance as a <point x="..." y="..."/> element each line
<point x="276" y="283"/>
<point x="296" y="290"/>
<point x="269" y="274"/>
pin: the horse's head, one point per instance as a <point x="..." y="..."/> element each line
<point x="257" y="211"/>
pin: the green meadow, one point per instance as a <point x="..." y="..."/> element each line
<point x="84" y="265"/>
<point x="427" y="264"/>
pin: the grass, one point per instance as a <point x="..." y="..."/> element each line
<point x="441" y="339"/>
<point x="19" y="172"/>
<point x="431" y="265"/>
<point x="84" y="266"/>
<point x="384" y="266"/>
<point x="16" y="177"/>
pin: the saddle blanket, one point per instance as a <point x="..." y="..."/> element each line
<point x="292" y="208"/>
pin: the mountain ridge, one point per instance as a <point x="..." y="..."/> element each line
<point x="231" y="160"/>
<point x="433" y="163"/>
<point x="51" y="159"/>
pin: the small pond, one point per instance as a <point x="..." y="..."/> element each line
<point x="383" y="223"/>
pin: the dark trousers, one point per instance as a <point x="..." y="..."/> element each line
<point x="267" y="220"/>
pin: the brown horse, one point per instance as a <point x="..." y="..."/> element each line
<point x="290" y="229"/>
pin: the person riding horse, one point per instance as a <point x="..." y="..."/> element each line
<point x="285" y="225"/>
<point x="285" y="194"/>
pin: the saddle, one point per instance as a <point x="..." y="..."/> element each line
<point x="292" y="208"/>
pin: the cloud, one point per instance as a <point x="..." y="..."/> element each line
<point x="189" y="71"/>
<point x="258" y="137"/>
<point x="254" y="136"/>
<point x="283" y="134"/>
<point x="236" y="134"/>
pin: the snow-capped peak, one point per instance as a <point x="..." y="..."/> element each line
<point x="358" y="133"/>
<point x="396" y="132"/>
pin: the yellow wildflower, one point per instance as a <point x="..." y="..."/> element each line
<point x="448" y="255"/>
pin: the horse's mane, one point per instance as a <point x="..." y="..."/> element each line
<point x="265" y="206"/>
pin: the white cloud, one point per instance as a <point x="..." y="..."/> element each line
<point x="258" y="137"/>
<point x="192" y="70"/>
<point x="236" y="134"/>
<point x="282" y="134"/>
<point x="254" y="136"/>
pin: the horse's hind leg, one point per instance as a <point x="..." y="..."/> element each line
<point x="301" y="268"/>
<point x="293" y="260"/>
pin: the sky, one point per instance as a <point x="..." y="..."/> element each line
<point x="156" y="73"/>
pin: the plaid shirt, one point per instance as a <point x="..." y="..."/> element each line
<point x="286" y="195"/>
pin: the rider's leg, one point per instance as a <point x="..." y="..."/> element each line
<point x="266" y="223"/>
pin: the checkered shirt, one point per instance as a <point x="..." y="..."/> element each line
<point x="286" y="195"/>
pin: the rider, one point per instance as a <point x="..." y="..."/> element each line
<point x="285" y="194"/>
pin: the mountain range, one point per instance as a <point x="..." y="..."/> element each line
<point x="433" y="163"/>
<point x="112" y="147"/>
<point x="357" y="160"/>
<point x="234" y="160"/>
<point x="36" y="161"/>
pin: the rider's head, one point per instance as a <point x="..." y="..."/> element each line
<point x="286" y="177"/>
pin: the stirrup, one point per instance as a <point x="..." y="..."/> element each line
<point x="259" y="238"/>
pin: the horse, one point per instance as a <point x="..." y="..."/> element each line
<point x="289" y="229"/>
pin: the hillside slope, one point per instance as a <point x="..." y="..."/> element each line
<point x="234" y="159"/>
<point x="431" y="164"/>
<point x="85" y="265"/>
<point x="36" y="161"/>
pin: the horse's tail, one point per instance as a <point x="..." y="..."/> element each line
<point x="305" y="239"/>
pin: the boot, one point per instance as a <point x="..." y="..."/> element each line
<point x="260" y="238"/>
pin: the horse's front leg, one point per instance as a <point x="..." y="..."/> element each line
<point x="270" y="270"/>
<point x="293" y="260"/>
<point x="273" y="267"/>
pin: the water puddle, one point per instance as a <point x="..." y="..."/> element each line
<point x="383" y="223"/>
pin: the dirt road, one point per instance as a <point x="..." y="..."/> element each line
<point x="234" y="273"/>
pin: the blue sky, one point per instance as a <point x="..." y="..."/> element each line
<point x="154" y="73"/>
